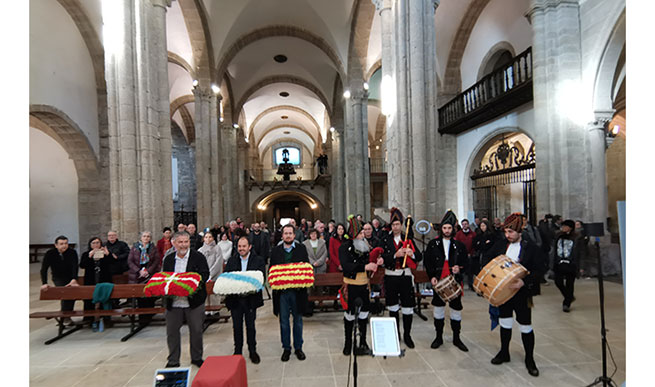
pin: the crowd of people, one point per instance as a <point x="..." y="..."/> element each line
<point x="354" y="248"/>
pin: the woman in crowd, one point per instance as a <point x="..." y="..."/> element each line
<point x="483" y="242"/>
<point x="316" y="251"/>
<point x="213" y="255"/>
<point x="334" y="266"/>
<point x="225" y="247"/>
<point x="144" y="261"/>
<point x="165" y="242"/>
<point x="96" y="262"/>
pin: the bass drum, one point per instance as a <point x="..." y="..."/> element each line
<point x="493" y="280"/>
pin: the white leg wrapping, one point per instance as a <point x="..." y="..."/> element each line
<point x="349" y="316"/>
<point x="439" y="312"/>
<point x="456" y="315"/>
<point x="408" y="310"/>
<point x="393" y="308"/>
<point x="362" y="315"/>
<point x="525" y="328"/>
<point x="506" y="322"/>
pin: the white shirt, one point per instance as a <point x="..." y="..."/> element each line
<point x="180" y="267"/>
<point x="244" y="262"/>
<point x="513" y="251"/>
<point x="446" y="248"/>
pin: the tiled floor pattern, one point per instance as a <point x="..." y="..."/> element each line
<point x="567" y="352"/>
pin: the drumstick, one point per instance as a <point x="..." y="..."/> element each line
<point x="406" y="236"/>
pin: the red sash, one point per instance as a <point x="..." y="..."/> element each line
<point x="445" y="270"/>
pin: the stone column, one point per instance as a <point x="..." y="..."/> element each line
<point x="356" y="138"/>
<point x="408" y="48"/>
<point x="560" y="134"/>
<point x="207" y="165"/>
<point x="240" y="183"/>
<point x="597" y="179"/>
<point x="229" y="159"/>
<point x="337" y="172"/>
<point x="389" y="81"/>
<point x="139" y="139"/>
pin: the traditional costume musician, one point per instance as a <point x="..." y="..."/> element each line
<point x="530" y="256"/>
<point x="357" y="257"/>
<point x="400" y="256"/>
<point x="445" y="256"/>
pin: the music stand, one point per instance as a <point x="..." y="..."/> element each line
<point x="422" y="227"/>
<point x="596" y="230"/>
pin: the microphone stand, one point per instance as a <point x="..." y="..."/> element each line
<point x="417" y="309"/>
<point x="604" y="379"/>
<point x="358" y="308"/>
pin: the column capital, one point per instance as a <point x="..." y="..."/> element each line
<point x="161" y="3"/>
<point x="435" y="4"/>
<point x="381" y="5"/>
<point x="601" y="122"/>
<point x="541" y="6"/>
<point x="202" y="93"/>
<point x="359" y="95"/>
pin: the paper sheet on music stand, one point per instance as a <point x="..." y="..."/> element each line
<point x="385" y="336"/>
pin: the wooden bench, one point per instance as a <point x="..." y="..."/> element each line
<point x="336" y="279"/>
<point x="35" y="250"/>
<point x="130" y="291"/>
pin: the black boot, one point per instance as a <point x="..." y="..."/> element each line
<point x="363" y="348"/>
<point x="503" y="355"/>
<point x="407" y="328"/>
<point x="457" y="327"/>
<point x="348" y="335"/>
<point x="438" y="325"/>
<point x="528" y="345"/>
<point x="397" y="317"/>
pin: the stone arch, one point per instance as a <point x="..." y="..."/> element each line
<point x="270" y="196"/>
<point x="195" y="18"/>
<point x="178" y="60"/>
<point x="274" y="31"/>
<point x="282" y="79"/>
<point x="475" y="155"/>
<point x="605" y="82"/>
<point x="287" y="141"/>
<point x="267" y="131"/>
<point x="181" y="101"/>
<point x="376" y="66"/>
<point x="453" y="75"/>
<point x="59" y="126"/>
<point x="286" y="107"/>
<point x="493" y="55"/>
<point x="188" y="124"/>
<point x="360" y="32"/>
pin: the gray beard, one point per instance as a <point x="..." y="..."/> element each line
<point x="361" y="245"/>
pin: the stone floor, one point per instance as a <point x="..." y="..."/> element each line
<point x="567" y="352"/>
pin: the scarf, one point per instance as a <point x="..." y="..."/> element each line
<point x="144" y="258"/>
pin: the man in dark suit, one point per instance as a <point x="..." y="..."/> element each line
<point x="530" y="256"/>
<point x="290" y="301"/>
<point x="445" y="256"/>
<point x="260" y="242"/>
<point x="192" y="308"/>
<point x="246" y="305"/>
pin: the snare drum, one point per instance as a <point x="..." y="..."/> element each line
<point x="493" y="280"/>
<point x="448" y="289"/>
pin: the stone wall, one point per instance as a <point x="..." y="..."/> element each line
<point x="186" y="171"/>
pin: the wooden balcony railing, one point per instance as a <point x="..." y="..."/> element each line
<point x="495" y="94"/>
<point x="377" y="165"/>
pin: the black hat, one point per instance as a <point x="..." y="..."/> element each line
<point x="395" y="214"/>
<point x="450" y="218"/>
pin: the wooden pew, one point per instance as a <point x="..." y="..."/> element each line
<point x="129" y="291"/>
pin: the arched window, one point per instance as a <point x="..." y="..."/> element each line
<point x="294" y="155"/>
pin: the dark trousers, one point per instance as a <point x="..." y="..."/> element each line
<point x="174" y="319"/>
<point x="145" y="302"/>
<point x="240" y="312"/>
<point x="66" y="305"/>
<point x="472" y="270"/>
<point x="565" y="282"/>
